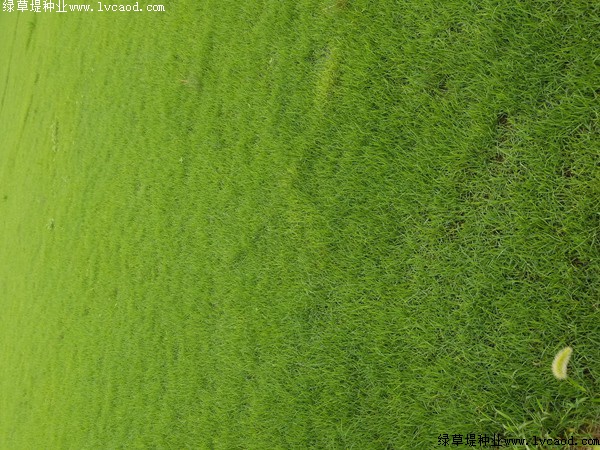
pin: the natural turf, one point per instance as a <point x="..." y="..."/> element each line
<point x="292" y="225"/>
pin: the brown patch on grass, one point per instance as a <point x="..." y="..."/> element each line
<point x="442" y="86"/>
<point x="338" y="5"/>
<point x="498" y="158"/>
<point x="503" y="127"/>
<point x="503" y="120"/>
<point x="588" y="432"/>
<point x="578" y="263"/>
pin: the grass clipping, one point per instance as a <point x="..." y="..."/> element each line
<point x="561" y="360"/>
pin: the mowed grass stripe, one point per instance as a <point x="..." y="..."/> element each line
<point x="314" y="225"/>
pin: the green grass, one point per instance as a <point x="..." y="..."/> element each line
<point x="293" y="225"/>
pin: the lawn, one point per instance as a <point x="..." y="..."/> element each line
<point x="319" y="224"/>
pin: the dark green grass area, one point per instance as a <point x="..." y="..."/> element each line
<point x="295" y="225"/>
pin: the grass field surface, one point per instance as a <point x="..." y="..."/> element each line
<point x="327" y="224"/>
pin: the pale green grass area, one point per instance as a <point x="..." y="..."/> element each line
<point x="294" y="225"/>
